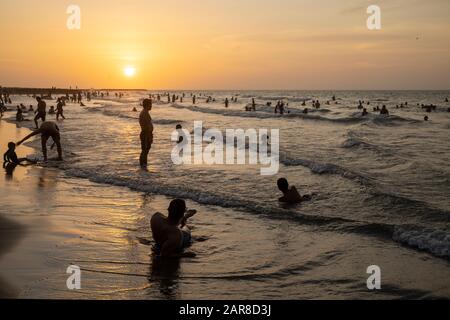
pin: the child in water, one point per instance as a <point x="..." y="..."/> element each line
<point x="10" y="156"/>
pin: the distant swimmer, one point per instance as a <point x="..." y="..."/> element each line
<point x="226" y="102"/>
<point x="40" y="112"/>
<point x="170" y="233"/>
<point x="305" y="111"/>
<point x="384" y="110"/>
<point x="51" y="110"/>
<point x="425" y="118"/>
<point x="180" y="133"/>
<point x="10" y="156"/>
<point x="60" y="110"/>
<point x="290" y="195"/>
<point x="146" y="136"/>
<point x="364" y="113"/>
<point x="19" y="114"/>
<point x="446" y="99"/>
<point x="48" y="129"/>
<point x="134" y="109"/>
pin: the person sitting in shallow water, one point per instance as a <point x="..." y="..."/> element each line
<point x="290" y="195"/>
<point x="169" y="232"/>
<point x="364" y="113"/>
<point x="10" y="156"/>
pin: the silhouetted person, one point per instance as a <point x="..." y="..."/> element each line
<point x="364" y="113"/>
<point x="19" y="114"/>
<point x="168" y="231"/>
<point x="51" y="110"/>
<point x="180" y="133"/>
<point x="226" y="102"/>
<point x="48" y="129"/>
<point x="145" y="121"/>
<point x="425" y="118"/>
<point x="10" y="156"/>
<point x="384" y="110"/>
<point x="290" y="195"/>
<point x="40" y="112"/>
<point x="60" y="110"/>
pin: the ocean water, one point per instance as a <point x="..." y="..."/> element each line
<point x="380" y="189"/>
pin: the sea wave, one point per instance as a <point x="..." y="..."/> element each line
<point x="104" y="110"/>
<point x="434" y="241"/>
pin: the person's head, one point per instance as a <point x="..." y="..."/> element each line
<point x="147" y="104"/>
<point x="283" y="184"/>
<point x="176" y="210"/>
<point x="425" y="118"/>
<point x="178" y="127"/>
<point x="11" y="146"/>
<point x="38" y="99"/>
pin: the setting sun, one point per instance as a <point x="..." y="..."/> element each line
<point x="129" y="71"/>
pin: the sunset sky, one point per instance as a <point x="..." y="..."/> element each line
<point x="228" y="44"/>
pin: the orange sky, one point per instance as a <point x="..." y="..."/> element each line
<point x="212" y="44"/>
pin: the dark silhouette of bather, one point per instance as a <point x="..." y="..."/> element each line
<point x="170" y="233"/>
<point x="40" y="112"/>
<point x="48" y="129"/>
<point x="290" y="195"/>
<point x="146" y="136"/>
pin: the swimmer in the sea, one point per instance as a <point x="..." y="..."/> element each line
<point x="47" y="130"/>
<point x="60" y="110"/>
<point x="170" y="233"/>
<point x="40" y="112"/>
<point x="10" y="156"/>
<point x="425" y="118"/>
<point x="290" y="195"/>
<point x="146" y="136"/>
<point x="180" y="133"/>
<point x="364" y="113"/>
<point x="19" y="114"/>
<point x="384" y="110"/>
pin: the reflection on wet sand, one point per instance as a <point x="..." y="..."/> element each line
<point x="10" y="235"/>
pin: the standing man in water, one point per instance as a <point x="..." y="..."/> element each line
<point x="145" y="120"/>
<point x="48" y="129"/>
<point x="41" y="112"/>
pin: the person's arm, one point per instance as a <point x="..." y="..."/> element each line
<point x="189" y="214"/>
<point x="35" y="133"/>
<point x="5" y="157"/>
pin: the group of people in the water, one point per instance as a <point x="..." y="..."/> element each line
<point x="170" y="232"/>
